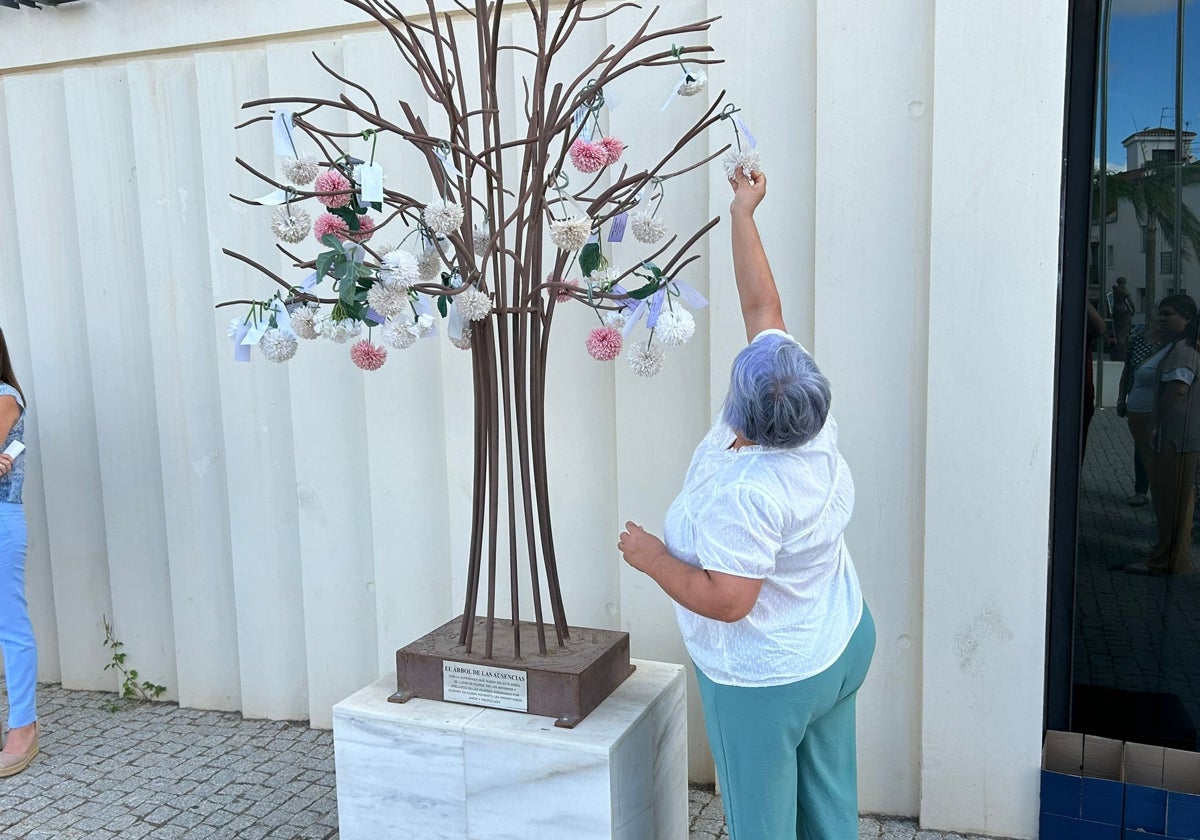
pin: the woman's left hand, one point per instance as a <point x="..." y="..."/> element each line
<point x="6" y="463"/>
<point x="640" y="547"/>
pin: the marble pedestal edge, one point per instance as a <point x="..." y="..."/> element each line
<point x="430" y="769"/>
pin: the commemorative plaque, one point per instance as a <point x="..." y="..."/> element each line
<point x="567" y="682"/>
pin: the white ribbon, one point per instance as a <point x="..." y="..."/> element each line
<point x="745" y="132"/>
<point x="273" y="198"/>
<point x="447" y="163"/>
<point x="281" y="129"/>
<point x="674" y="92"/>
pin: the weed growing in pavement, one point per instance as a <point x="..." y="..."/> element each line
<point x="131" y="689"/>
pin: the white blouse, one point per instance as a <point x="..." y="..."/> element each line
<point x="778" y="515"/>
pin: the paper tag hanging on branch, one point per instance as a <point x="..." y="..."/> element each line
<point x="283" y="318"/>
<point x="241" y="350"/>
<point x="255" y="333"/>
<point x="281" y="130"/>
<point x="616" y="231"/>
<point x="741" y="125"/>
<point x="581" y="119"/>
<point x="674" y="92"/>
<point x="370" y="180"/>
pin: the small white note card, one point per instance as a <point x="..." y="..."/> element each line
<point x="14" y="449"/>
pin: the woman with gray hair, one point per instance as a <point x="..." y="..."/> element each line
<point x="765" y="592"/>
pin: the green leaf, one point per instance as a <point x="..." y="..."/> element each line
<point x="589" y="258"/>
<point x="347" y="215"/>
<point x="653" y="269"/>
<point x="644" y="292"/>
<point x="333" y="242"/>
<point x="444" y="305"/>
<point x="377" y="206"/>
<point x="324" y="260"/>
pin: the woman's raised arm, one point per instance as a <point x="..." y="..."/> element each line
<point x="761" y="308"/>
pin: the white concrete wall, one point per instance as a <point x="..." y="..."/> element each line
<point x="254" y="556"/>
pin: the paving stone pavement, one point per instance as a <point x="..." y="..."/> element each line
<point x="1132" y="632"/>
<point x="154" y="770"/>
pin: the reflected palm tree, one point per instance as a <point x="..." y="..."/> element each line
<point x="1152" y="192"/>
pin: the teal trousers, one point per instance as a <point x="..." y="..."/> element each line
<point x="785" y="754"/>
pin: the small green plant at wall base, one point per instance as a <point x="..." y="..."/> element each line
<point x="131" y="689"/>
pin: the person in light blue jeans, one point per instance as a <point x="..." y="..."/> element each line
<point x="16" y="630"/>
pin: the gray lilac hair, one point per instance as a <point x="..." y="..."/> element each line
<point x="777" y="397"/>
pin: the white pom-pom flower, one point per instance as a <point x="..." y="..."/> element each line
<point x="694" y="82"/>
<point x="675" y="327"/>
<point x="387" y="300"/>
<point x="645" y="359"/>
<point x="429" y="266"/>
<point x="234" y="326"/>
<point x="304" y="321"/>
<point x="746" y="161"/>
<point x="616" y="319"/>
<point x="463" y="342"/>
<point x="301" y="170"/>
<point x="291" y="224"/>
<point x="571" y="234"/>
<point x="646" y="228"/>
<point x="277" y="345"/>
<point x="399" y="269"/>
<point x="473" y="304"/>
<point x="424" y="324"/>
<point x="442" y="217"/>
<point x="399" y="333"/>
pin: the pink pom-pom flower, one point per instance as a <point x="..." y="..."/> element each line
<point x="588" y="157"/>
<point x="367" y="356"/>
<point x="613" y="148"/>
<point x="366" y="225"/>
<point x="328" y="223"/>
<point x="604" y="344"/>
<point x="562" y="295"/>
<point x="332" y="181"/>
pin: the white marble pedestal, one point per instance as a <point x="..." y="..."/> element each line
<point x="426" y="769"/>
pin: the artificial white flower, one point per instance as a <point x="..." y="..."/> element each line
<point x="424" y="324"/>
<point x="442" y="217"/>
<point x="617" y="319"/>
<point x="646" y="228"/>
<point x="463" y="342"/>
<point x="301" y="170"/>
<point x="429" y="265"/>
<point x="675" y="327"/>
<point x="387" y="300"/>
<point x="291" y="225"/>
<point x="603" y="278"/>
<point x="570" y="234"/>
<point x="304" y="321"/>
<point x="399" y="333"/>
<point x="473" y="304"/>
<point x="645" y="359"/>
<point x="277" y="345"/>
<point x="338" y="331"/>
<point x="747" y="161"/>
<point x="399" y="269"/>
<point x="698" y="82"/>
<point x="234" y="326"/>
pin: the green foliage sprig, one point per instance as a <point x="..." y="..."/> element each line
<point x="131" y="689"/>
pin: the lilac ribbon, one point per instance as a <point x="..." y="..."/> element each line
<point x="652" y="306"/>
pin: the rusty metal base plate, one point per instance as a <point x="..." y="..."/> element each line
<point x="566" y="682"/>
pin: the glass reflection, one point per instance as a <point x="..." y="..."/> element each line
<point x="1136" y="669"/>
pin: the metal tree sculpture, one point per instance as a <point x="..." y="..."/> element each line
<point x="484" y="237"/>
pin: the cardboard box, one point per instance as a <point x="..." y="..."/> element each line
<point x="1162" y="793"/>
<point x="1083" y="794"/>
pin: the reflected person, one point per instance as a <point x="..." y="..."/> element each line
<point x="766" y="594"/>
<point x="1143" y="342"/>
<point x="1170" y="442"/>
